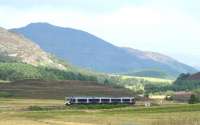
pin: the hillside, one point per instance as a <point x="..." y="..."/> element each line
<point x="88" y="51"/>
<point x="15" y="47"/>
<point x="184" y="82"/>
<point x="21" y="59"/>
<point x="19" y="63"/>
<point x="164" y="60"/>
<point x="59" y="89"/>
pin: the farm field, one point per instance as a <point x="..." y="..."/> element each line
<point x="150" y="79"/>
<point x="37" y="112"/>
<point x="3" y="81"/>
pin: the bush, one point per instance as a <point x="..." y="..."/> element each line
<point x="5" y="94"/>
<point x="193" y="99"/>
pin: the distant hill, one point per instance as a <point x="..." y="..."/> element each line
<point x="185" y="82"/>
<point x="170" y="66"/>
<point x="88" y="51"/>
<point x="149" y="73"/>
<point x="59" y="89"/>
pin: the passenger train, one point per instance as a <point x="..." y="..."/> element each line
<point x="99" y="100"/>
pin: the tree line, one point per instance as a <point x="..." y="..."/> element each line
<point x="21" y="71"/>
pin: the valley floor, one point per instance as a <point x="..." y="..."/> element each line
<point x="52" y="112"/>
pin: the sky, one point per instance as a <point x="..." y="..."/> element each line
<point x="170" y="27"/>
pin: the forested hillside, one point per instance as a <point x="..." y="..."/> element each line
<point x="185" y="82"/>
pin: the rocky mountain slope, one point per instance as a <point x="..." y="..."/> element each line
<point x="88" y="51"/>
<point x="22" y="59"/>
<point x="22" y="49"/>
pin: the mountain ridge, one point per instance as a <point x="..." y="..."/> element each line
<point x="86" y="50"/>
<point x="159" y="58"/>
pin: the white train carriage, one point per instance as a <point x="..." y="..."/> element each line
<point x="99" y="100"/>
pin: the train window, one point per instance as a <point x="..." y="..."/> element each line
<point x="94" y="100"/>
<point x="105" y="100"/>
<point x="126" y="100"/>
<point x="115" y="100"/>
<point x="82" y="100"/>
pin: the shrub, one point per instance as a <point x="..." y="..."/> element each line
<point x="193" y="99"/>
<point x="5" y="94"/>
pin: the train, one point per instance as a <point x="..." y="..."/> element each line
<point x="99" y="100"/>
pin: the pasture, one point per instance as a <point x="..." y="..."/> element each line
<point x="52" y="112"/>
<point x="150" y="79"/>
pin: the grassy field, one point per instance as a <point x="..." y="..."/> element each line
<point x="18" y="112"/>
<point x="150" y="79"/>
<point x="3" y="81"/>
<point x="138" y="84"/>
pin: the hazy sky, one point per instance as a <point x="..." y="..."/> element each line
<point x="171" y="27"/>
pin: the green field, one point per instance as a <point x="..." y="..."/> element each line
<point x="52" y="112"/>
<point x="3" y="81"/>
<point x="138" y="84"/>
<point x="150" y="79"/>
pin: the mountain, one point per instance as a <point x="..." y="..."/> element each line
<point x="186" y="82"/>
<point x="22" y="59"/>
<point x="162" y="59"/>
<point x="88" y="51"/>
<point x="16" y="47"/>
